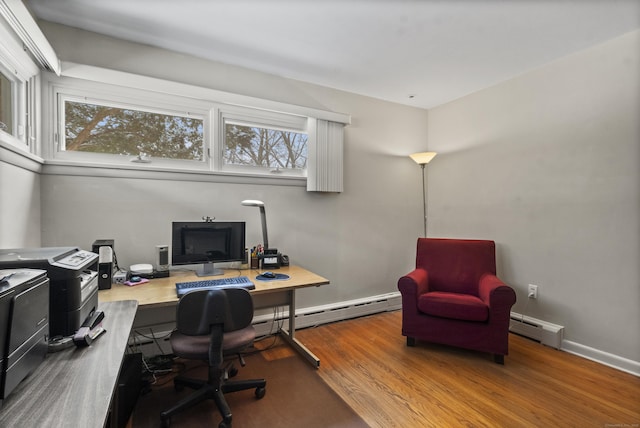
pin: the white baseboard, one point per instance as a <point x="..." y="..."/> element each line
<point x="318" y="315"/>
<point x="553" y="335"/>
<point x="550" y="334"/>
<point x="611" y="360"/>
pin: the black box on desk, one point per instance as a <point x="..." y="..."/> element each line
<point x="95" y="248"/>
<point x="105" y="267"/>
<point x="102" y="243"/>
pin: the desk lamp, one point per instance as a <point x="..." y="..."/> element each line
<point x="260" y="204"/>
<point x="422" y="159"/>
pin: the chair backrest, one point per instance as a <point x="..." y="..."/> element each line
<point x="456" y="265"/>
<point x="198" y="310"/>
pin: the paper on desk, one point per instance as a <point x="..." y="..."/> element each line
<point x="142" y="281"/>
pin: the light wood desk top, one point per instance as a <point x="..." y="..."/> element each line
<point x="162" y="291"/>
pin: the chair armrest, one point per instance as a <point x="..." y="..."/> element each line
<point x="414" y="283"/>
<point x="496" y="294"/>
<point x="411" y="286"/>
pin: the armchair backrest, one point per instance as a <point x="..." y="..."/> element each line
<point x="198" y="310"/>
<point x="456" y="265"/>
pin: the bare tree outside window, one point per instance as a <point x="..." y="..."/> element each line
<point x="263" y="147"/>
<point x="103" y="129"/>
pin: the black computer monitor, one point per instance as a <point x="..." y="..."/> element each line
<point x="207" y="243"/>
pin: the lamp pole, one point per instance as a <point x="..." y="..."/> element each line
<point x="424" y="201"/>
<point x="423" y="159"/>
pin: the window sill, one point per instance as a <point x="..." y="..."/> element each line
<point x="20" y="158"/>
<point x="57" y="167"/>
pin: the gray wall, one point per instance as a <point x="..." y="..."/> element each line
<point x="547" y="164"/>
<point x="363" y="239"/>
<point x="19" y="200"/>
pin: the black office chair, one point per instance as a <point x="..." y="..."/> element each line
<point x="212" y="325"/>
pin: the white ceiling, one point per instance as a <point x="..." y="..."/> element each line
<point x="419" y="53"/>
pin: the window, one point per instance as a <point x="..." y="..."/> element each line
<point x="263" y="142"/>
<point x="101" y="128"/>
<point x="105" y="118"/>
<point x="19" y="80"/>
<point x="17" y="104"/>
<point x="264" y="147"/>
<point x="6" y="104"/>
<point x="102" y="125"/>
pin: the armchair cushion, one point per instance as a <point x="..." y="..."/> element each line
<point x="453" y="305"/>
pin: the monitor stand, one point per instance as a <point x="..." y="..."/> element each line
<point x="209" y="270"/>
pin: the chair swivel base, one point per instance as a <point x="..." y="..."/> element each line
<point x="205" y="391"/>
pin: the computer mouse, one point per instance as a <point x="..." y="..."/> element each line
<point x="268" y="274"/>
<point x="135" y="279"/>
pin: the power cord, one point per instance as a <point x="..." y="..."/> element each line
<point x="525" y="307"/>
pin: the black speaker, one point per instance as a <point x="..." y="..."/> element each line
<point x="105" y="267"/>
<point x="95" y="248"/>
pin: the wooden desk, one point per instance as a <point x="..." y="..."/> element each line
<point x="74" y="387"/>
<point x="160" y="293"/>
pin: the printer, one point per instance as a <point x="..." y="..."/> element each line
<point x="73" y="287"/>
<point x="24" y="325"/>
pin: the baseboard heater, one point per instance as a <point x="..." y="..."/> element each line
<point x="266" y="324"/>
<point x="317" y="315"/>
<point x="541" y="331"/>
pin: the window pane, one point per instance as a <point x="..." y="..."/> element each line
<point x="6" y="102"/>
<point x="263" y="147"/>
<point x="104" y="129"/>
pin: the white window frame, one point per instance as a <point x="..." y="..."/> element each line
<point x="132" y="89"/>
<point x="257" y="118"/>
<point x="90" y="93"/>
<point x="22" y="72"/>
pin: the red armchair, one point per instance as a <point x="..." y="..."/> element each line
<point x="454" y="297"/>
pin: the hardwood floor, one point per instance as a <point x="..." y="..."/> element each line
<point x="366" y="361"/>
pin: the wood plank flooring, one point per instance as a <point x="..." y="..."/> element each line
<point x="366" y="361"/>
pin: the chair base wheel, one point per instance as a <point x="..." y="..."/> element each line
<point x="260" y="392"/>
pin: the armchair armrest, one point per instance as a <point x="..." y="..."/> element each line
<point x="497" y="295"/>
<point x="414" y="283"/>
<point x="411" y="286"/>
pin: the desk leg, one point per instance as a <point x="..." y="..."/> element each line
<point x="289" y="336"/>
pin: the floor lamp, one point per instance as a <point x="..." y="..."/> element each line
<point x="422" y="159"/>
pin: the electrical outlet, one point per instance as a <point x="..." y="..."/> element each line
<point x="533" y="291"/>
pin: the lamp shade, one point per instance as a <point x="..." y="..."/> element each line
<point x="423" y="158"/>
<point x="252" y="203"/>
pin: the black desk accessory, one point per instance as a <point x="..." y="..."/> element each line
<point x="90" y="330"/>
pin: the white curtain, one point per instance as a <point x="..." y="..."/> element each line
<point x="325" y="152"/>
